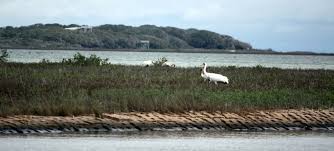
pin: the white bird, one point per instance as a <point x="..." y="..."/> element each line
<point x="148" y="63"/>
<point x="213" y="77"/>
<point x="203" y="75"/>
<point x="168" y="64"/>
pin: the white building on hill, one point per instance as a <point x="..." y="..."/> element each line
<point x="84" y="28"/>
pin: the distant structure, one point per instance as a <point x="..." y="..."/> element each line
<point x="84" y="28"/>
<point x="144" y="44"/>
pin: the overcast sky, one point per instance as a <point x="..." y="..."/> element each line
<point x="284" y="25"/>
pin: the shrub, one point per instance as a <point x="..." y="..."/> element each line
<point x="79" y="59"/>
<point x="45" y="61"/>
<point x="259" y="66"/>
<point x="160" y="61"/>
<point x="4" y="56"/>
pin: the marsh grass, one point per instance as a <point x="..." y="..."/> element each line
<point x="60" y="89"/>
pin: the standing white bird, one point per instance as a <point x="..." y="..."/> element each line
<point x="213" y="77"/>
<point x="203" y="75"/>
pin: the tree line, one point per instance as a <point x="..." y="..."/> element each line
<point x="114" y="37"/>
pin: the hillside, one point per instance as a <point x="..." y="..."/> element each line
<point x="55" y="36"/>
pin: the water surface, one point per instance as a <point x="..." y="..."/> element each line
<point x="183" y="59"/>
<point x="176" y="141"/>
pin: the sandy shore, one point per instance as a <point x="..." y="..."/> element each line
<point x="279" y="120"/>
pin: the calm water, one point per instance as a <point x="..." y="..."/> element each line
<point x="181" y="141"/>
<point x="184" y="59"/>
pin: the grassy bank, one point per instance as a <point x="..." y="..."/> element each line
<point x="57" y="89"/>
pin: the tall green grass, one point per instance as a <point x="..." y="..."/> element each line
<point x="60" y="89"/>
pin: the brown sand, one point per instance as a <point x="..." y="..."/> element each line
<point x="279" y="120"/>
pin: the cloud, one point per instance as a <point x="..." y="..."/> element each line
<point x="237" y="10"/>
<point x="287" y="28"/>
<point x="249" y="20"/>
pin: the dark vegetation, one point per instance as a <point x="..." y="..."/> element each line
<point x="81" y="60"/>
<point x="4" y="55"/>
<point x="54" y="36"/>
<point x="71" y="89"/>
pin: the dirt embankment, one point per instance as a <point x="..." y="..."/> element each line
<point x="281" y="120"/>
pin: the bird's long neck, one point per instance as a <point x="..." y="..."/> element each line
<point x="204" y="70"/>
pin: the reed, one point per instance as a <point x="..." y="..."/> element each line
<point x="65" y="89"/>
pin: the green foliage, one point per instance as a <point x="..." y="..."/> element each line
<point x="4" y="56"/>
<point x="79" y="59"/>
<point x="53" y="36"/>
<point x="206" y="39"/>
<point x="259" y="66"/>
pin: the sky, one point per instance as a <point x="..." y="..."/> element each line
<point x="283" y="25"/>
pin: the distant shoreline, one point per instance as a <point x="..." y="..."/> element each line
<point x="253" y="51"/>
